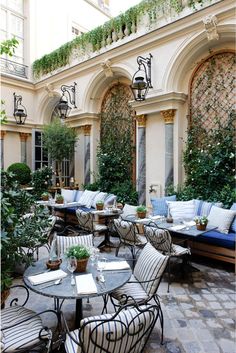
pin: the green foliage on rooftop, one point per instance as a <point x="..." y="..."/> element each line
<point x="98" y="36"/>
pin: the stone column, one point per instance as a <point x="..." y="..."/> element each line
<point x="3" y="133"/>
<point x="87" y="133"/>
<point x="23" y="141"/>
<point x="141" y="140"/>
<point x="168" y="116"/>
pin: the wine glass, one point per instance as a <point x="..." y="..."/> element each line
<point x="94" y="255"/>
<point x="71" y="266"/>
<point x="100" y="267"/>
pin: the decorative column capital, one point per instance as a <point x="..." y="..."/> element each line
<point x="141" y="119"/>
<point x="23" y="136"/>
<point x="168" y="115"/>
<point x="87" y="130"/>
<point x="3" y="133"/>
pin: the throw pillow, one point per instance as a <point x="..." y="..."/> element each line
<point x="87" y="198"/>
<point x="78" y="195"/>
<point x="182" y="209"/>
<point x="109" y="200"/>
<point x="68" y="195"/>
<point x="233" y="225"/>
<point x="202" y="208"/>
<point x="159" y="205"/>
<point x="99" y="197"/>
<point x="221" y="218"/>
<point x="129" y="210"/>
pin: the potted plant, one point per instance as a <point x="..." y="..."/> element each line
<point x="201" y="222"/>
<point x="45" y="196"/>
<point x="82" y="254"/>
<point x="99" y="205"/>
<point x="59" y="199"/>
<point x="141" y="211"/>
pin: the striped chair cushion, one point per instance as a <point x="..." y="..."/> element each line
<point x="150" y="264"/>
<point x="114" y="336"/>
<point x="133" y="290"/>
<point x="177" y="250"/>
<point x="64" y="242"/>
<point x="127" y="232"/>
<point x="21" y="335"/>
<point x="100" y="228"/>
<point x="2" y="341"/>
<point x="159" y="238"/>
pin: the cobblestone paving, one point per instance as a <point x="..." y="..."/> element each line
<point x="199" y="311"/>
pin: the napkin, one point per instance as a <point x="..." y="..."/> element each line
<point x="178" y="227"/>
<point x="98" y="211"/>
<point x="143" y="220"/>
<point x="116" y="265"/>
<point x="85" y="284"/>
<point x="155" y="217"/>
<point x="47" y="277"/>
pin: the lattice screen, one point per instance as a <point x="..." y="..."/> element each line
<point x="213" y="90"/>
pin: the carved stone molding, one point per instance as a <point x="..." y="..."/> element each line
<point x="3" y="133"/>
<point x="168" y="115"/>
<point x="210" y="23"/>
<point x="23" y="136"/>
<point x="49" y="88"/>
<point x="87" y="130"/>
<point x="106" y="66"/>
<point x="141" y="119"/>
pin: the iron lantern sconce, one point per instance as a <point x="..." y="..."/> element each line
<point x="68" y="96"/>
<point x="20" y="112"/>
<point x="141" y="81"/>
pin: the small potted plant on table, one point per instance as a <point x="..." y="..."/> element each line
<point x="82" y="254"/>
<point x="59" y="199"/>
<point x="201" y="222"/>
<point x="99" y="205"/>
<point x="45" y="196"/>
<point x="141" y="211"/>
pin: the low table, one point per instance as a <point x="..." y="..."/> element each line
<point x="113" y="280"/>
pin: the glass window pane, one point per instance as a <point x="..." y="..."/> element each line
<point x="37" y="165"/>
<point x="16" y="25"/>
<point x="38" y="138"/>
<point x="38" y="153"/>
<point x="3" y="19"/>
<point x="17" y="59"/>
<point x="16" y="5"/>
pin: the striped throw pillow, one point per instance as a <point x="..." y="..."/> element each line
<point x="233" y="225"/>
<point x="159" y="205"/>
<point x="202" y="208"/>
<point x="87" y="198"/>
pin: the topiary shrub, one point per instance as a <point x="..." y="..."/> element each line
<point x="21" y="171"/>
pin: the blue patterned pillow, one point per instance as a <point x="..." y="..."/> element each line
<point x="159" y="205"/>
<point x="202" y="208"/>
<point x="233" y="225"/>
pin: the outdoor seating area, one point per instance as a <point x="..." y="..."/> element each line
<point x="118" y="197"/>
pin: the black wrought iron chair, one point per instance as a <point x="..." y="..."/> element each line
<point x="22" y="329"/>
<point x="126" y="331"/>
<point x="86" y="223"/>
<point x="129" y="236"/>
<point x="162" y="241"/>
<point x="143" y="284"/>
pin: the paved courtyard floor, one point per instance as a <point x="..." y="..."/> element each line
<point x="199" y="311"/>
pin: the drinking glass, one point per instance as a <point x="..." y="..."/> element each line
<point x="100" y="267"/>
<point x="71" y="266"/>
<point x="94" y="255"/>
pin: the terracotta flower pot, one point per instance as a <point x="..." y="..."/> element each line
<point x="141" y="214"/>
<point x="99" y="207"/>
<point x="53" y="265"/>
<point x="82" y="265"/>
<point x="45" y="198"/>
<point x="60" y="201"/>
<point x="201" y="226"/>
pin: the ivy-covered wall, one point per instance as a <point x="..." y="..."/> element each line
<point x="209" y="158"/>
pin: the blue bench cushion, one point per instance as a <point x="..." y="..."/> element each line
<point x="71" y="210"/>
<point x="219" y="239"/>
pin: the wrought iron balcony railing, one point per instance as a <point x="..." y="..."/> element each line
<point x="14" y="68"/>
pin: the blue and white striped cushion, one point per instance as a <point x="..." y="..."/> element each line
<point x="99" y="197"/>
<point x="233" y="225"/>
<point x="150" y="264"/>
<point x="159" y="205"/>
<point x="112" y="335"/>
<point x="21" y="335"/>
<point x="64" y="242"/>
<point x="87" y="198"/>
<point x="159" y="238"/>
<point x="202" y="208"/>
<point x="134" y="291"/>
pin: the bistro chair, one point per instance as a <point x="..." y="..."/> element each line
<point x="61" y="243"/>
<point x="143" y="284"/>
<point x="22" y="329"/>
<point x="126" y="331"/>
<point x="86" y="223"/>
<point x="162" y="241"/>
<point x="129" y="236"/>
